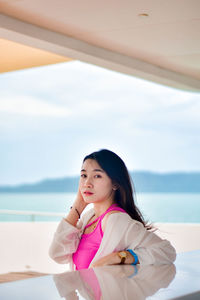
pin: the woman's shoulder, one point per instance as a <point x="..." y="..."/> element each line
<point x="105" y="218"/>
<point x="118" y="218"/>
<point x="115" y="214"/>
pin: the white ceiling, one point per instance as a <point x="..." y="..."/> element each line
<point x="163" y="47"/>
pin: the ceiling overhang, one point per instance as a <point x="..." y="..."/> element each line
<point x="16" y="56"/>
<point x="64" y="46"/>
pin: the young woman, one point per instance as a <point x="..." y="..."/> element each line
<point x="113" y="231"/>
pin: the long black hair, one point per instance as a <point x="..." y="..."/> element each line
<point x="117" y="171"/>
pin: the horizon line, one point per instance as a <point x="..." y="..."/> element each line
<point x="75" y="176"/>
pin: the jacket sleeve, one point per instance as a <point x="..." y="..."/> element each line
<point x="65" y="242"/>
<point x="122" y="233"/>
<point x="149" y="248"/>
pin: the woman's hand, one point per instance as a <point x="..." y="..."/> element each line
<point x="110" y="259"/>
<point x="76" y="209"/>
<point x="113" y="259"/>
<point x="79" y="202"/>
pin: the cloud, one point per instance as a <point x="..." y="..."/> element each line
<point x="30" y="106"/>
<point x="54" y="115"/>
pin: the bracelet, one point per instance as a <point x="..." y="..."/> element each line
<point x="76" y="211"/>
<point x="134" y="255"/>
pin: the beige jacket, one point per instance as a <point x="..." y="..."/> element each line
<point x="121" y="233"/>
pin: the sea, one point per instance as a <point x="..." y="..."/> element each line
<point x="155" y="207"/>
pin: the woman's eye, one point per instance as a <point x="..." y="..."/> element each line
<point x="97" y="176"/>
<point x="83" y="175"/>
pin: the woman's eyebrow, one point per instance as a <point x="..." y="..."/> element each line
<point x="98" y="170"/>
<point x="95" y="170"/>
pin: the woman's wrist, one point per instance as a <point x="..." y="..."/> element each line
<point x="78" y="208"/>
<point x="73" y="207"/>
<point x="80" y="205"/>
<point x="72" y="217"/>
<point x="134" y="257"/>
<point x="75" y="211"/>
<point x="131" y="257"/>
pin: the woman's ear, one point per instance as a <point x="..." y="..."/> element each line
<point x="115" y="187"/>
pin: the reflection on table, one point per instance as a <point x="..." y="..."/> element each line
<point x="114" y="282"/>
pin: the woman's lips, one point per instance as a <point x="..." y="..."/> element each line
<point x="88" y="193"/>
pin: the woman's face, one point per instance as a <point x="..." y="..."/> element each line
<point x="95" y="185"/>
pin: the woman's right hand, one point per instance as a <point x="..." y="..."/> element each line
<point x="77" y="209"/>
<point x="79" y="202"/>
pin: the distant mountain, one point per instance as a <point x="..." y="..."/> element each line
<point x="144" y="182"/>
<point x="148" y="182"/>
<point x="67" y="184"/>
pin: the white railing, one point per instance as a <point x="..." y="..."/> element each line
<point x="32" y="214"/>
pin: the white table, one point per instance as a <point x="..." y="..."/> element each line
<point x="178" y="281"/>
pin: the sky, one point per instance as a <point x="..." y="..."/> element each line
<point x="52" y="116"/>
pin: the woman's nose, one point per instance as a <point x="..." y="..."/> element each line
<point x="88" y="182"/>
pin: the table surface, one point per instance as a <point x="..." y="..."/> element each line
<point x="178" y="281"/>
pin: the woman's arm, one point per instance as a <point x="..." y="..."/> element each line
<point x="67" y="235"/>
<point x="114" y="259"/>
<point x="65" y="242"/>
<point x="123" y="233"/>
<point x="150" y="248"/>
<point x="147" y="245"/>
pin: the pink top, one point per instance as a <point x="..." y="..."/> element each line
<point x="90" y="242"/>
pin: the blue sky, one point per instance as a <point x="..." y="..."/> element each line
<point x="52" y="116"/>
